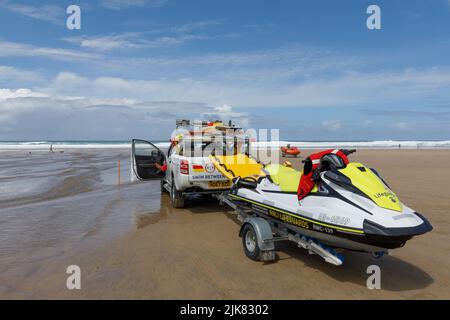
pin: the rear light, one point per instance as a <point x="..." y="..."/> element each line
<point x="184" y="167"/>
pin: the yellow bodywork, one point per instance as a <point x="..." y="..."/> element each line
<point x="371" y="185"/>
<point x="288" y="179"/>
<point x="243" y="166"/>
<point x="239" y="165"/>
<point x="285" y="177"/>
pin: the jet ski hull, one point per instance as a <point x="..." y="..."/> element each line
<point x="370" y="238"/>
<point x="349" y="207"/>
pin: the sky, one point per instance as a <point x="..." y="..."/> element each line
<point x="309" y="68"/>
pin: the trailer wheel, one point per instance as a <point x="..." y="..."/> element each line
<point x="176" y="197"/>
<point x="250" y="243"/>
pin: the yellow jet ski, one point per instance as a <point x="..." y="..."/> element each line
<point x="351" y="207"/>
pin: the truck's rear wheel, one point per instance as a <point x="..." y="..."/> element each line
<point x="176" y="197"/>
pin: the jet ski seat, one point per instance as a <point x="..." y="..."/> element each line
<point x="285" y="177"/>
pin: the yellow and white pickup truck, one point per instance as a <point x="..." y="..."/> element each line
<point x="186" y="168"/>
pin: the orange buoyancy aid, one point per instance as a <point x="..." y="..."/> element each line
<point x="307" y="181"/>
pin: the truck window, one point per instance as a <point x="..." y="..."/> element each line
<point x="221" y="145"/>
<point x="178" y="149"/>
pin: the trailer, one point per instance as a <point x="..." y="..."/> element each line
<point x="260" y="232"/>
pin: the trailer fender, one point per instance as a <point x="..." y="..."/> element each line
<point x="263" y="232"/>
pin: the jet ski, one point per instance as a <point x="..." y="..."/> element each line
<point x="351" y="207"/>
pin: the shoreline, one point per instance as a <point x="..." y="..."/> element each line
<point x="273" y="145"/>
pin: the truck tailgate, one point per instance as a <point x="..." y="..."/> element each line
<point x="202" y="169"/>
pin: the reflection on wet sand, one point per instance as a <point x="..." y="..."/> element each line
<point x="143" y="219"/>
<point x="196" y="204"/>
<point x="50" y="201"/>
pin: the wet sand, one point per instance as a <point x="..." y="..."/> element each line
<point x="157" y="252"/>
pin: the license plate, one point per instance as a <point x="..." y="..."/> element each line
<point x="219" y="184"/>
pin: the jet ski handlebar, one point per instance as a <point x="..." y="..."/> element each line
<point x="348" y="151"/>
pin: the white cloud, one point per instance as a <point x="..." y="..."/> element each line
<point x="144" y="90"/>
<point x="15" y="49"/>
<point x="162" y="37"/>
<point x="285" y="66"/>
<point x="71" y="97"/>
<point x="8" y="73"/>
<point x="400" y="125"/>
<point x="26" y="99"/>
<point x="332" y="125"/>
<point x="6" y="94"/>
<point x="292" y="56"/>
<point x="123" y="4"/>
<point x="410" y="88"/>
<point x="104" y="43"/>
<point x="129" y="41"/>
<point x="196" y="25"/>
<point x="31" y="114"/>
<point x="225" y="112"/>
<point x="49" y="13"/>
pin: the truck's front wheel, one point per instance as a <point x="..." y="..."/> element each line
<point x="176" y="197"/>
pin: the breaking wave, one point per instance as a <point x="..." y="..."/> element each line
<point x="381" y="144"/>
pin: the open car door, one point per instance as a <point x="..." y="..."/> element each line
<point x="147" y="160"/>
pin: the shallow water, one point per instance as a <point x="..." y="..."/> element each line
<point x="50" y="202"/>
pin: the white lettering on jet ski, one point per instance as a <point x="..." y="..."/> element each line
<point x="383" y="194"/>
<point x="343" y="221"/>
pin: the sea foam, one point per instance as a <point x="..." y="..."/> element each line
<point x="381" y="144"/>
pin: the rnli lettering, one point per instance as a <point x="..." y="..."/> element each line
<point x="293" y="220"/>
<point x="289" y="219"/>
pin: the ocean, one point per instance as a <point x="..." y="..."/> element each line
<point x="123" y="144"/>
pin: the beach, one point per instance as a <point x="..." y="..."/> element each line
<point x="68" y="208"/>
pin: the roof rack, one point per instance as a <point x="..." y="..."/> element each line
<point x="182" y="123"/>
<point x="218" y="124"/>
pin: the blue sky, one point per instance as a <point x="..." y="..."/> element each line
<point x="310" y="68"/>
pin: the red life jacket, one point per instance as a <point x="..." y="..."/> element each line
<point x="307" y="182"/>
